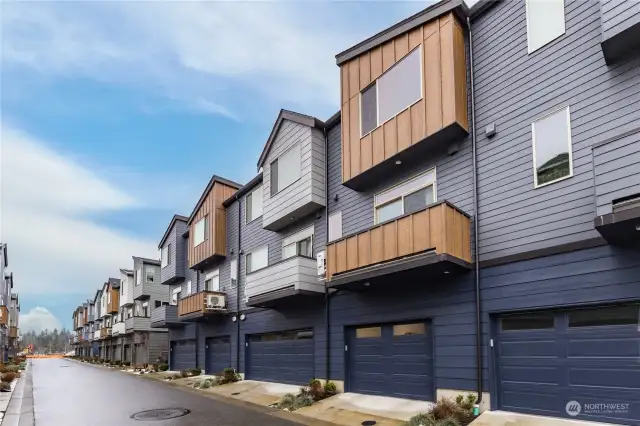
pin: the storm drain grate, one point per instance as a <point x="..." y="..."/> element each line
<point x="235" y="393"/>
<point x="368" y="423"/>
<point x="160" y="414"/>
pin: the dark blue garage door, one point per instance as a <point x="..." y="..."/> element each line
<point x="392" y="360"/>
<point x="183" y="355"/>
<point x="218" y="354"/>
<point x="547" y="359"/>
<point x="285" y="357"/>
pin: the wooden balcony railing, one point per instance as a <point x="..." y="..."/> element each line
<point x="441" y="227"/>
<point x="197" y="303"/>
<point x="4" y="315"/>
<point x="13" y="332"/>
<point x="105" y="332"/>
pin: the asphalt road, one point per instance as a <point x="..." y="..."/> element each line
<point x="68" y="393"/>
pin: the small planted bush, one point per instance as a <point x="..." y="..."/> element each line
<point x="163" y="367"/>
<point x="330" y="389"/>
<point x="184" y="373"/>
<point x="207" y="383"/>
<point x="195" y="371"/>
<point x="315" y="390"/>
<point x="5" y="387"/>
<point x="447" y="412"/>
<point x="8" y="377"/>
<point x="291" y="402"/>
<point x="127" y="363"/>
<point x="229" y="375"/>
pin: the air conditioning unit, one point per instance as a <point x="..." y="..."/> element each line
<point x="216" y="301"/>
<point x="322" y="264"/>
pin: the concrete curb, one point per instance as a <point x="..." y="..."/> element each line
<point x="20" y="410"/>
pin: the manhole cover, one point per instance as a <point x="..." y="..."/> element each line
<point x="160" y="414"/>
<point x="368" y="423"/>
<point x="236" y="393"/>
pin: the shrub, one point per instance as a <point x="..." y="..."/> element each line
<point x="315" y="390"/>
<point x="287" y="401"/>
<point x="293" y="402"/>
<point x="445" y="408"/>
<point x="184" y="373"/>
<point x="454" y="413"/>
<point x="10" y="369"/>
<point x="195" y="371"/>
<point x="8" y="377"/>
<point x="5" y="387"/>
<point x="127" y="363"/>
<point x="207" y="383"/>
<point x="117" y="362"/>
<point x="176" y="376"/>
<point x="154" y="367"/>
<point x="421" y="419"/>
<point x="330" y="389"/>
<point x="448" y="422"/>
<point x="229" y="375"/>
<point x="163" y="367"/>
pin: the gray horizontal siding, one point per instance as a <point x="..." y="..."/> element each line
<point x="177" y="264"/>
<point x="618" y="16"/>
<point x="616" y="171"/>
<point x="166" y="313"/>
<point x="515" y="217"/>
<point x="296" y="272"/>
<point x="310" y="187"/>
<point x="137" y="324"/>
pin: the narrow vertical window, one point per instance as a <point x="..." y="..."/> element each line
<point x="552" y="157"/>
<point x="335" y="226"/>
<point x="545" y="22"/>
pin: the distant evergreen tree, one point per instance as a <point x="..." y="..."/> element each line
<point x="45" y="341"/>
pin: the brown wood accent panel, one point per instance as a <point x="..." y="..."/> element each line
<point x="4" y="315"/>
<point x="445" y="93"/>
<point x="365" y="70"/>
<point x="215" y="243"/>
<point x="13" y="332"/>
<point x="191" y="304"/>
<point x="442" y="228"/>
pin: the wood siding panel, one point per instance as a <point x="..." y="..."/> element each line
<point x="377" y="249"/>
<point x="390" y="236"/>
<point x="352" y="252"/>
<point x="341" y="256"/>
<point x="444" y="93"/>
<point x="405" y="236"/>
<point x="364" y="249"/>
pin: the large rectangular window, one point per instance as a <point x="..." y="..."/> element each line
<point x="393" y="92"/>
<point x="257" y="259"/>
<point x="285" y="170"/>
<point x="335" y="226"/>
<point x="212" y="281"/>
<point x="408" y="197"/>
<point x="552" y="157"/>
<point x="200" y="231"/>
<point x="298" y="244"/>
<point x="234" y="273"/>
<point x="164" y="256"/>
<point x="545" y="22"/>
<point x="254" y="205"/>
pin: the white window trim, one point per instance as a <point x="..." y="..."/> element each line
<point x="378" y="97"/>
<point x="334" y="214"/>
<point x="233" y="272"/>
<point x="298" y="236"/>
<point x="286" y="151"/>
<point x="189" y="290"/>
<point x="148" y="270"/>
<point x="246" y="211"/>
<point x="164" y="250"/>
<point x="211" y="275"/>
<point x="533" y="145"/>
<point x="246" y="264"/>
<point x="195" y="226"/>
<point x="139" y="276"/>
<point x="564" y="27"/>
<point x="435" y="192"/>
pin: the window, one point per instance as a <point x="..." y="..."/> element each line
<point x="552" y="157"/>
<point x="617" y="315"/>
<point x="201" y="231"/>
<point x="254" y="205"/>
<point x="408" y="197"/>
<point x="257" y="259"/>
<point x="335" y="226"/>
<point x="129" y="313"/>
<point x="532" y="321"/>
<point x="409" y="329"/>
<point x="368" y="332"/>
<point x="188" y="288"/>
<point x="545" y="22"/>
<point x="150" y="274"/>
<point x="285" y="170"/>
<point x="234" y="273"/>
<point x="396" y="90"/>
<point x="145" y="309"/>
<point x="298" y="244"/>
<point x="158" y="304"/>
<point x="165" y="260"/>
<point x="139" y="276"/>
<point x="212" y="281"/>
<point x="175" y="295"/>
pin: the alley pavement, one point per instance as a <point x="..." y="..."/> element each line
<point x="69" y="393"/>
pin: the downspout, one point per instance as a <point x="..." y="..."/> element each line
<point x="238" y="289"/>
<point x="197" y="324"/>
<point x="475" y="220"/>
<point x="326" y="240"/>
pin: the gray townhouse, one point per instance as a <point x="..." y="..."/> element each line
<point x="97" y="325"/>
<point x="9" y="307"/>
<point x="467" y="222"/>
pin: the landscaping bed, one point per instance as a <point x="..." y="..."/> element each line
<point x="306" y="396"/>
<point x="448" y="412"/>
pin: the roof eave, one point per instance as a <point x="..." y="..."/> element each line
<point x="212" y="182"/>
<point x="174" y="219"/>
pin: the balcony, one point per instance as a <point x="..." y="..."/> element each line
<point x="4" y="316"/>
<point x="96" y="335"/>
<point x="137" y="324"/>
<point x="118" y="329"/>
<point x="431" y="122"/>
<point x="287" y="279"/>
<point x="194" y="307"/>
<point x="13" y="332"/>
<point x="433" y="241"/>
<point x="105" y="332"/>
<point x="165" y="316"/>
<point x="620" y="20"/>
<point x="617" y="188"/>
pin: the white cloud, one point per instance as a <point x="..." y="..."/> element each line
<point x="45" y="207"/>
<point x="38" y="319"/>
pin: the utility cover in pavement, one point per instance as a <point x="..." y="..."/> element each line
<point x="160" y="414"/>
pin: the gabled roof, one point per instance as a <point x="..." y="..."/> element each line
<point x="115" y="282"/>
<point x="213" y="180"/>
<point x="244" y="190"/>
<point x="98" y="294"/>
<point x="176" y="217"/>
<point x="126" y="271"/>
<point x="296" y="117"/>
<point x="146" y="260"/>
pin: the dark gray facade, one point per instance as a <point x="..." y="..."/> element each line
<point x="177" y="251"/>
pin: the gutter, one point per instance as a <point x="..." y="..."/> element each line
<point x="474" y="147"/>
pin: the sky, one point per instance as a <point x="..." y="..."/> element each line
<point x="114" y="115"/>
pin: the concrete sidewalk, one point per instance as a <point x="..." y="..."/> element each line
<point x="20" y="408"/>
<point x="503" y="418"/>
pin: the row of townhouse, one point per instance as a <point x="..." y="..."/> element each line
<point x="468" y="221"/>
<point x="116" y="324"/>
<point x="9" y="309"/>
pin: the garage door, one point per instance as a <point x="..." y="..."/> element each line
<point x="127" y="353"/>
<point x="218" y="353"/>
<point x="547" y="359"/>
<point x="285" y="357"/>
<point x="392" y="360"/>
<point x="183" y="355"/>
